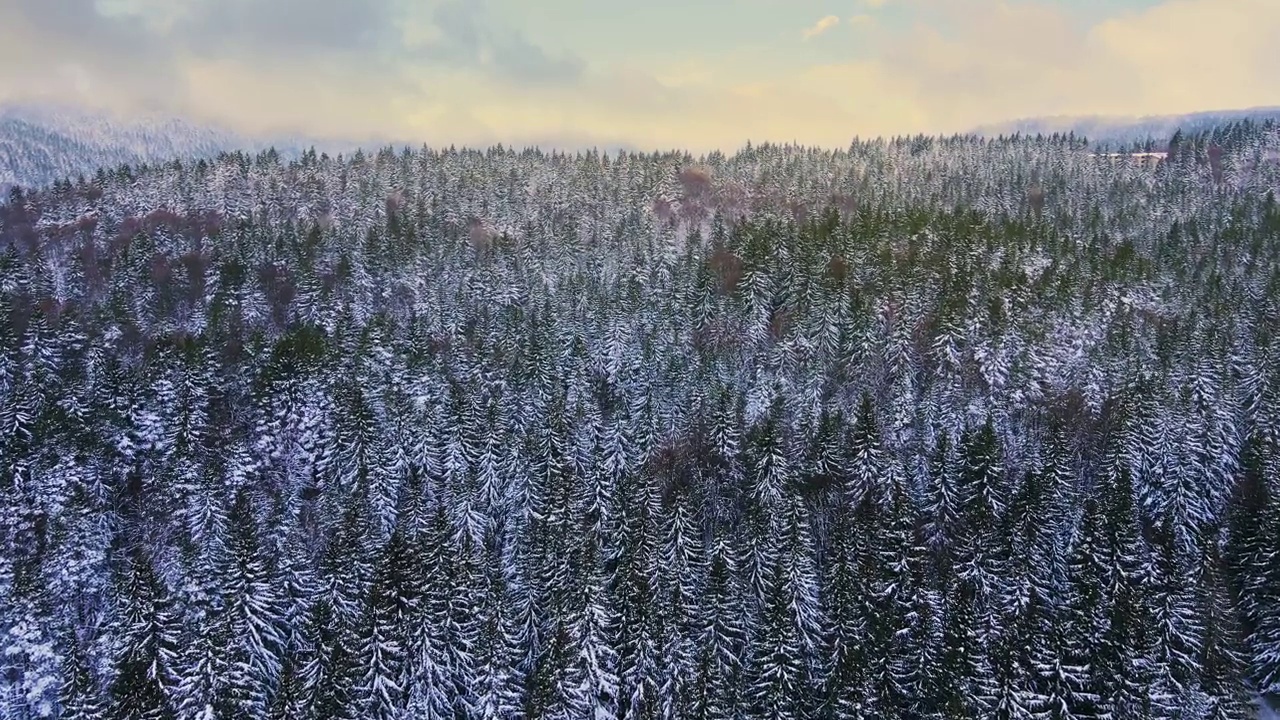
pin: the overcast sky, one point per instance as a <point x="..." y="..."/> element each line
<point x="699" y="74"/>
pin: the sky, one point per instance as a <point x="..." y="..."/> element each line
<point x="646" y="74"/>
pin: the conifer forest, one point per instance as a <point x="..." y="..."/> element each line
<point x="924" y="428"/>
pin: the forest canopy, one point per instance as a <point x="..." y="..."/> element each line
<point x="920" y="428"/>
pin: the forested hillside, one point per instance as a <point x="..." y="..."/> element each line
<point x="922" y="428"/>
<point x="40" y="145"/>
<point x="1121" y="131"/>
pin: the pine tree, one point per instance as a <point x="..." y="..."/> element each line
<point x="981" y="491"/>
<point x="145" y="663"/>
<point x="382" y="642"/>
<point x="202" y="690"/>
<point x="1264" y="641"/>
<point x="496" y="694"/>
<point x="1062" y="694"/>
<point x="635" y="600"/>
<point x="1177" y="623"/>
<point x="253" y="614"/>
<point x="783" y="664"/>
<point x="1221" y="661"/>
<point x="901" y="557"/>
<point x="927" y="681"/>
<point x="721" y="641"/>
<point x="1123" y="676"/>
<point x="434" y="643"/>
<point x="1113" y="656"/>
<point x="943" y="503"/>
<point x="1082" y="621"/>
<point x="327" y="668"/>
<point x="868" y="466"/>
<point x="80" y="695"/>
<point x="289" y="701"/>
<point x="961" y="667"/>
<point x="592" y="676"/>
<point x="767" y="452"/>
<point x="1252" y="558"/>
<point x="848" y="658"/>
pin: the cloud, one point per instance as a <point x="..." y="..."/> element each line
<point x="286" y="27"/>
<point x="467" y="36"/>
<point x="821" y="26"/>
<point x="67" y="50"/>
<point x="134" y="49"/>
<point x="465" y="72"/>
<point x="1005" y="59"/>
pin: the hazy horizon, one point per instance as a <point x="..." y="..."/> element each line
<point x="1120" y="128"/>
<point x="692" y="74"/>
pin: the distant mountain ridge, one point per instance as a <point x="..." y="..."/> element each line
<point x="41" y="144"/>
<point x="1116" y="130"/>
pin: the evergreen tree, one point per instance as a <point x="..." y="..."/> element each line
<point x="253" y="611"/>
<point x="328" y="666"/>
<point x="496" y="694"/>
<point x="145" y="675"/>
<point x="381" y="645"/>
<point x="80" y="695"/>
<point x="783" y="665"/>
<point x="721" y="641"/>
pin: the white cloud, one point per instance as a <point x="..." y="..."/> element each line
<point x="821" y="26"/>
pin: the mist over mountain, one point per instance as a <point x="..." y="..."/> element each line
<point x="42" y="143"/>
<point x="1120" y="130"/>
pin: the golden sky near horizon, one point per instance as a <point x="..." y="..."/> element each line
<point x="697" y="74"/>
